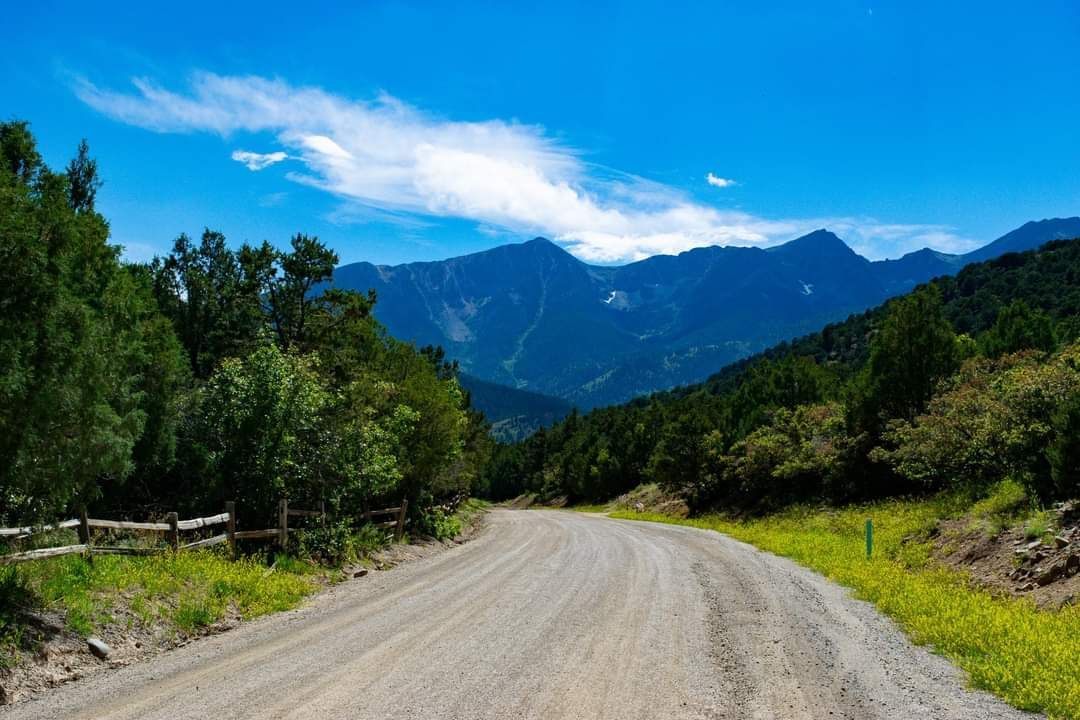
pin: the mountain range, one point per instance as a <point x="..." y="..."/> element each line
<point x="533" y="317"/>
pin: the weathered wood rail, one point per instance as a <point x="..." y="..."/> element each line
<point x="173" y="526"/>
<point x="85" y="525"/>
<point x="285" y="511"/>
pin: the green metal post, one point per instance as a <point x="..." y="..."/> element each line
<point x="869" y="538"/>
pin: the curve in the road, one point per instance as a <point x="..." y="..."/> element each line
<point x="553" y="615"/>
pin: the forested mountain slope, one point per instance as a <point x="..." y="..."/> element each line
<point x="856" y="409"/>
<point x="533" y="317"/>
<point x="513" y="414"/>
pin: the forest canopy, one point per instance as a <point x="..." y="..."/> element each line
<point x="206" y="375"/>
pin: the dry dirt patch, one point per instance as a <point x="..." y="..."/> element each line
<point x="1045" y="569"/>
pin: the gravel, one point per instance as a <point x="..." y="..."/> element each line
<point x="551" y="614"/>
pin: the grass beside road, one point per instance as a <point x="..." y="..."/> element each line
<point x="183" y="592"/>
<point x="1029" y="657"/>
<point x="179" y="592"/>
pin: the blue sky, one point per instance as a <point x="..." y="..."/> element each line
<point x="400" y="132"/>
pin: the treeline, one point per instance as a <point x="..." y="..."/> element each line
<point x="207" y="375"/>
<point x="966" y="381"/>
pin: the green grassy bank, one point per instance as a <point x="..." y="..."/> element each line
<point x="175" y="592"/>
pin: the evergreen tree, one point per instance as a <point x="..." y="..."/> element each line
<point x="83" y="180"/>
<point x="1018" y="327"/>
<point x="912" y="352"/>
<point x="1063" y="453"/>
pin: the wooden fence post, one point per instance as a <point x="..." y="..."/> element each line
<point x="399" y="531"/>
<point x="174" y="531"/>
<point x="84" y="532"/>
<point x="230" y="527"/>
<point x="84" y="527"/>
<point x="283" y="523"/>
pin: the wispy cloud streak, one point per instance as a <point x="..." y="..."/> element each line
<point x="386" y="155"/>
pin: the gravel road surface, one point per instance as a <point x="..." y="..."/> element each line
<point x="551" y="615"/>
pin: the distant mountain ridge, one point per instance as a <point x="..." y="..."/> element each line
<point x="532" y="316"/>
<point x="899" y="276"/>
<point x="513" y="414"/>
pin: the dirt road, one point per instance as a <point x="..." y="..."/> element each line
<point x="552" y="615"/>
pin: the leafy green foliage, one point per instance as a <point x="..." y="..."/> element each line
<point x="912" y="352"/>
<point x="1018" y="327"/>
<point x="328" y="543"/>
<point x="439" y="524"/>
<point x="72" y="324"/>
<point x="1063" y="452"/>
<point x="990" y="422"/>
<point x="258" y="430"/>
<point x="208" y="375"/>
<point x="891" y="401"/>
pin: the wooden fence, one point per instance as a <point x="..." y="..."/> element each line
<point x="173" y="526"/>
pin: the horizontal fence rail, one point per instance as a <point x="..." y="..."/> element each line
<point x="125" y="525"/>
<point x="203" y="522"/>
<point x="42" y="553"/>
<point x="172" y="527"/>
<point x="85" y="525"/>
<point x="25" y="532"/>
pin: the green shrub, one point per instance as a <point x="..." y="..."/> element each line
<point x="439" y="524"/>
<point x="1003" y="504"/>
<point x="369" y="539"/>
<point x="1038" y="525"/>
<point x="329" y="544"/>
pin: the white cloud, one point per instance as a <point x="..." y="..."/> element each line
<point x="719" y="181"/>
<point x="258" y="161"/>
<point x="385" y="157"/>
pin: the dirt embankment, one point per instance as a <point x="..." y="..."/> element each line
<point x="644" y="498"/>
<point x="1045" y="569"/>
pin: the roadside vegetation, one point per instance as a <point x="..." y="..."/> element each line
<point x="215" y="373"/>
<point x="1009" y="647"/>
<point x="172" y="594"/>
<point x="211" y="374"/>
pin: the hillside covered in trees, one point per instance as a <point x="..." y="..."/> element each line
<point x="208" y="375"/>
<point x="965" y="381"/>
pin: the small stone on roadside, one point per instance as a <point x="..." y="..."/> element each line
<point x="360" y="573"/>
<point x="1061" y="542"/>
<point x="98" y="648"/>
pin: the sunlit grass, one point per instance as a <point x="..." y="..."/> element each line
<point x="1029" y="657"/>
<point x="183" y="592"/>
